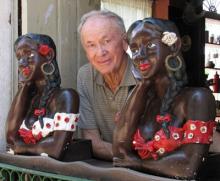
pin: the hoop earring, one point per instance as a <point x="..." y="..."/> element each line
<point x="173" y="63"/>
<point x="47" y="68"/>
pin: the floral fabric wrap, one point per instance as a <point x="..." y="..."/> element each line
<point x="193" y="131"/>
<point x="61" y="121"/>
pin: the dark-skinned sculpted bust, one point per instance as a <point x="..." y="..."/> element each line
<point x="165" y="127"/>
<point x="43" y="116"/>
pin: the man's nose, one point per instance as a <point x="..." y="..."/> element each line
<point x="101" y="50"/>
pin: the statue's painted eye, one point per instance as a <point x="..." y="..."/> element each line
<point x="31" y="55"/>
<point x="151" y="45"/>
<point x="20" y="60"/>
<point x="134" y="51"/>
<point x="29" y="58"/>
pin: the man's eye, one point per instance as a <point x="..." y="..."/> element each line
<point x="91" y="45"/>
<point x="106" y="41"/>
<point x="151" y="45"/>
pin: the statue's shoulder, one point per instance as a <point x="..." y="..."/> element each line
<point x="199" y="97"/>
<point x="199" y="92"/>
<point x="69" y="93"/>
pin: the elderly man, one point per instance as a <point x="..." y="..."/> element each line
<point x="104" y="83"/>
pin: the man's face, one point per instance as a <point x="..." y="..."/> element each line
<point x="104" y="44"/>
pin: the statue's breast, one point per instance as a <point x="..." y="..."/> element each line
<point x="148" y="128"/>
<point x="29" y="121"/>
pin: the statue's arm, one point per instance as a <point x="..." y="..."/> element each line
<point x="127" y="119"/>
<point x="17" y="112"/>
<point x="135" y="105"/>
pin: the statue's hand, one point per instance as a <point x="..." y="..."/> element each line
<point x="25" y="85"/>
<point x="18" y="147"/>
<point x="10" y="151"/>
<point x="23" y="82"/>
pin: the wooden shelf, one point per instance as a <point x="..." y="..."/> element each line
<point x="217" y="118"/>
<point x="214" y="45"/>
<point x="217" y="96"/>
<point x="216" y="93"/>
<point x="212" y="68"/>
<point x="212" y="15"/>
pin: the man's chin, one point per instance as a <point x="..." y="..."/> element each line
<point x="105" y="71"/>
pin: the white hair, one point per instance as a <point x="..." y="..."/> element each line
<point x="102" y="13"/>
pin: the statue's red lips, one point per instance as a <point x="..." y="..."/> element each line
<point x="144" y="66"/>
<point x="26" y="71"/>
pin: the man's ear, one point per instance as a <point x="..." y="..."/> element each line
<point x="125" y="42"/>
<point x="50" y="56"/>
<point x="175" y="48"/>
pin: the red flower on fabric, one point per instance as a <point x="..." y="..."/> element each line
<point x="48" y="125"/>
<point x="44" y="49"/>
<point x="39" y="136"/>
<point x="27" y="136"/>
<point x="145" y="149"/>
<point x="165" y="118"/>
<point x="40" y="112"/>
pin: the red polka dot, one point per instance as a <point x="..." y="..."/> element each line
<point x="48" y="125"/>
<point x="76" y="120"/>
<point x="66" y="119"/>
<point x="58" y="117"/>
<point x="72" y="126"/>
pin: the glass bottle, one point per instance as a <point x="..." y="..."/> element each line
<point x="216" y="83"/>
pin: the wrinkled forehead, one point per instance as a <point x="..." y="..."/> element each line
<point x="100" y="23"/>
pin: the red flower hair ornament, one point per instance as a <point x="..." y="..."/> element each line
<point x="44" y="49"/>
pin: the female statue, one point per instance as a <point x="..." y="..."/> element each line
<point x="43" y="116"/>
<point x="165" y="127"/>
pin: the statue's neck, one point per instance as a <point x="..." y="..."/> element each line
<point x="161" y="85"/>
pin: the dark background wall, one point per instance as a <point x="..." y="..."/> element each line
<point x="187" y="15"/>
